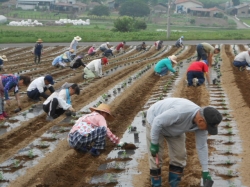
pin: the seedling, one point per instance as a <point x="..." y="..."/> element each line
<point x="42" y="144"/>
<point x="54" y="136"/>
<point x="62" y="129"/>
<point x="104" y="96"/>
<point x="16" y="163"/>
<point x="1" y="176"/>
<point x="229" y="151"/>
<point x="124" y="154"/>
<point x="129" y="128"/>
<point x="143" y="114"/>
<point x="229" y="162"/>
<point x="230" y="131"/>
<point x="230" y="139"/>
<point x="230" y="173"/>
<point x="72" y="121"/>
<point x="31" y="154"/>
<point x="228" y="124"/>
<point x="226" y="113"/>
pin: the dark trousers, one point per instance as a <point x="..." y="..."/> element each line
<point x="52" y="110"/>
<point x="201" y="53"/>
<point x="195" y="74"/>
<point x="240" y="64"/>
<point x="35" y="94"/>
<point x="108" y="52"/>
<point x="93" y="53"/>
<point x="37" y="57"/>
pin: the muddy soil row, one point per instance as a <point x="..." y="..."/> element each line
<point x="235" y="83"/>
<point x="92" y="91"/>
<point x="75" y="162"/>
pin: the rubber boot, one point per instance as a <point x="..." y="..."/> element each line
<point x="175" y="174"/>
<point x="155" y="175"/>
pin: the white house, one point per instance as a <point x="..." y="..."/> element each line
<point x="182" y="6"/>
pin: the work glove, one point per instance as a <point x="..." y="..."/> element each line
<point x="154" y="149"/>
<point x="120" y="144"/>
<point x="206" y="177"/>
<point x="17" y="110"/>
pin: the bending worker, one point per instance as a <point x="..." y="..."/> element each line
<point x="94" y="68"/>
<point x="205" y="52"/>
<point x="169" y="120"/>
<point x="242" y="60"/>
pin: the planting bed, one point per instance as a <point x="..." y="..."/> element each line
<point x="35" y="152"/>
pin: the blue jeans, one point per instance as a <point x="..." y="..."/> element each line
<point x="195" y="74"/>
<point x="163" y="72"/>
<point x="201" y="53"/>
<point x="240" y="64"/>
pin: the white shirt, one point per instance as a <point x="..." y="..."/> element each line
<point x="104" y="46"/>
<point x="96" y="66"/>
<point x="39" y="84"/>
<point x="243" y="56"/>
<point x="61" y="97"/>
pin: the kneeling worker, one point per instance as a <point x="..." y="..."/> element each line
<point x="60" y="101"/>
<point x="94" y="68"/>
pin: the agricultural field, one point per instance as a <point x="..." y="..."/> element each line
<point x="35" y="152"/>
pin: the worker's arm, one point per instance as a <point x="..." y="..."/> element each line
<point x="210" y="58"/>
<point x="207" y="77"/>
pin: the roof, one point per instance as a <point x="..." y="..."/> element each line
<point x="205" y="9"/>
<point x="160" y="7"/>
<point x="186" y="1"/>
<point x="79" y="4"/>
<point x="241" y="6"/>
<point x="9" y="3"/>
<point x="63" y="4"/>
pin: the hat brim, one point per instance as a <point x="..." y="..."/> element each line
<point x="212" y="130"/>
<point x="77" y="39"/>
<point x="174" y="61"/>
<point x="39" y="41"/>
<point x="3" y="59"/>
<point x="109" y="118"/>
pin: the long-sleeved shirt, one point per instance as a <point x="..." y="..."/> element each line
<point x="57" y="60"/>
<point x="77" y="63"/>
<point x="198" y="66"/>
<point x="96" y="66"/>
<point x="38" y="48"/>
<point x="91" y="50"/>
<point x="208" y="48"/>
<point x="95" y="120"/>
<point x="61" y="97"/>
<point x="9" y="82"/>
<point x="243" y="56"/>
<point x="105" y="45"/>
<point x="73" y="45"/>
<point x="1" y="62"/>
<point x="39" y="84"/>
<point x="67" y="56"/>
<point x="166" y="62"/>
<point x="174" y="116"/>
<point x="119" y="46"/>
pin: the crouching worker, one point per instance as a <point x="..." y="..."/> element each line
<point x="10" y="82"/>
<point x="168" y="120"/>
<point x="163" y="66"/>
<point x="94" y="68"/>
<point x="195" y="73"/>
<point x="60" y="101"/>
<point x="38" y="87"/>
<point x="77" y="62"/>
<point x="242" y="60"/>
<point x="92" y="128"/>
<point x="59" y="62"/>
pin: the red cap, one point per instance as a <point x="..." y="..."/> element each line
<point x="104" y="60"/>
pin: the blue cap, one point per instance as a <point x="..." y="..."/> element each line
<point x="49" y="78"/>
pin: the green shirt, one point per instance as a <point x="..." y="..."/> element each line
<point x="166" y="62"/>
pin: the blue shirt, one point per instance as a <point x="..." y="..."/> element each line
<point x="9" y="81"/>
<point x="57" y="60"/>
<point x="1" y="62"/>
<point x="166" y="62"/>
<point x="38" y="49"/>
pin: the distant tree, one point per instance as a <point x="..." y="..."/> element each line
<point x="98" y="1"/>
<point x="124" y="24"/>
<point x="236" y="2"/>
<point x="100" y="11"/>
<point x="128" y="24"/>
<point x="134" y="9"/>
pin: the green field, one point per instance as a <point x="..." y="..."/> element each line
<point x="10" y="34"/>
<point x="246" y="20"/>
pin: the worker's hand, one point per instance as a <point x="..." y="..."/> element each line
<point x="72" y="109"/>
<point x="154" y="149"/>
<point x="120" y="144"/>
<point x="206" y="177"/>
<point x="8" y="102"/>
<point x="17" y="110"/>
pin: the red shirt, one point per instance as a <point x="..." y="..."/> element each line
<point x="119" y="46"/>
<point x="198" y="66"/>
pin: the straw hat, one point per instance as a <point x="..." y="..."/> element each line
<point x="173" y="58"/>
<point x="77" y="38"/>
<point x="104" y="108"/>
<point x="39" y="40"/>
<point x="4" y="58"/>
<point x="71" y="50"/>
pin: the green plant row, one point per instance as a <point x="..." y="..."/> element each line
<point x="10" y="34"/>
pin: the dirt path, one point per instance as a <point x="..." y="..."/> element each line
<point x="234" y="83"/>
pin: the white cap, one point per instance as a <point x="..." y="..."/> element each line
<point x="108" y="43"/>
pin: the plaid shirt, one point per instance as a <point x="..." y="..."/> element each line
<point x="96" y="120"/>
<point x="9" y="81"/>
